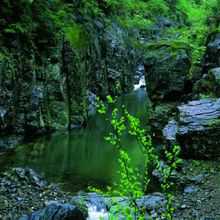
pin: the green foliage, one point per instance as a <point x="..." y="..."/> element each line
<point x="76" y="36"/>
<point x="197" y="14"/>
<point x="40" y="21"/>
<point x="132" y="183"/>
<point x="137" y="13"/>
<point x="173" y="161"/>
<point x="47" y="19"/>
<point x="194" y="22"/>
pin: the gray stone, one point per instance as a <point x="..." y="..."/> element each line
<point x="216" y="73"/>
<point x="167" y="73"/>
<point x="57" y="211"/>
<point x="170" y="130"/>
<point x="198" y="128"/>
<point x="197" y="179"/>
<point x="9" y="143"/>
<point x="91" y="199"/>
<point x="31" y="176"/>
<point x="190" y="189"/>
<point x="152" y="201"/>
<point x="198" y="115"/>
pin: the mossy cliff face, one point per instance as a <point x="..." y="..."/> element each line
<point x="48" y="91"/>
<point x="113" y="61"/>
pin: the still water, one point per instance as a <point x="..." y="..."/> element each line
<point x="82" y="157"/>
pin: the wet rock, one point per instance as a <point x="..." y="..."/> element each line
<point x="190" y="189"/>
<point x="99" y="203"/>
<point x="30" y="176"/>
<point x="197" y="179"/>
<point x="51" y="93"/>
<point x="170" y="130"/>
<point x="209" y="84"/>
<point x="152" y="201"/>
<point x="120" y="60"/>
<point x="57" y="211"/>
<point x="96" y="200"/>
<point x="167" y="74"/>
<point x="91" y="200"/>
<point x="9" y="143"/>
<point x="198" y="128"/>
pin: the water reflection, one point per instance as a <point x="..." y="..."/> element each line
<point x="82" y="157"/>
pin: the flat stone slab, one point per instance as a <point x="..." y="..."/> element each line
<point x="197" y="128"/>
<point x="198" y="115"/>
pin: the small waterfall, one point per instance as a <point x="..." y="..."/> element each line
<point x="140" y="78"/>
<point x="95" y="214"/>
<point x="141" y="84"/>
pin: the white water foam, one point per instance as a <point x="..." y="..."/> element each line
<point x="93" y="214"/>
<point x="141" y="84"/>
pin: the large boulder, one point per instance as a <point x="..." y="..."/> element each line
<point x="57" y="211"/>
<point x="197" y="128"/>
<point x="167" y="73"/>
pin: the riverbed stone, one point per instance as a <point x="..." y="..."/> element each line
<point x="30" y="176"/>
<point x="190" y="189"/>
<point x="152" y="201"/>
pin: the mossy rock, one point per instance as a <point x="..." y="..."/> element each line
<point x="167" y="73"/>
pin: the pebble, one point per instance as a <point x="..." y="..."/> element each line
<point x="184" y="206"/>
<point x="190" y="189"/>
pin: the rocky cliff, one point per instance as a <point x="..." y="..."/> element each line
<point x="47" y="83"/>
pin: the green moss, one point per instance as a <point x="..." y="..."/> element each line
<point x="76" y="36"/>
<point x="214" y="123"/>
<point x="2" y="56"/>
